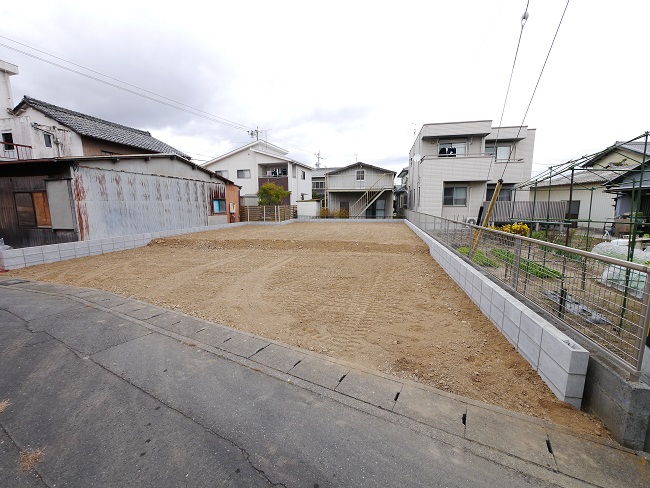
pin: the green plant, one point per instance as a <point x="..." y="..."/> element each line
<point x="479" y="257"/>
<point x="527" y="265"/>
<point x="271" y="194"/>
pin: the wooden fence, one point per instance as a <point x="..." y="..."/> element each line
<point x="267" y="213"/>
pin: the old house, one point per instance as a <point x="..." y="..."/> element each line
<point x="67" y="176"/>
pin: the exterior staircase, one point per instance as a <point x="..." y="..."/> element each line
<point x="368" y="198"/>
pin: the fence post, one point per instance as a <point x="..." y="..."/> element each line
<point x="515" y="264"/>
<point x="644" y="321"/>
<point x="263" y="213"/>
<point x="248" y="214"/>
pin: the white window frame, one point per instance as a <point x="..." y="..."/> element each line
<point x="244" y="174"/>
<point x="223" y="173"/>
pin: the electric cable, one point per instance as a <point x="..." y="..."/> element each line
<point x="538" y="80"/>
<point x="136" y="90"/>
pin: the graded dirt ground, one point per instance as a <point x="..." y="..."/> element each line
<point x="367" y="293"/>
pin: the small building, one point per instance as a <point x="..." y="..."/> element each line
<point x="53" y="201"/>
<point x="261" y="162"/>
<point x="454" y="167"/>
<point x="360" y="190"/>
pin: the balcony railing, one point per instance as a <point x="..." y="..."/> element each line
<point x="350" y="183"/>
<point x="10" y="151"/>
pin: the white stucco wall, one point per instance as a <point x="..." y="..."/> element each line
<point x="64" y="141"/>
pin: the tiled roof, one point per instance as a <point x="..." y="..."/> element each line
<point x="86" y="125"/>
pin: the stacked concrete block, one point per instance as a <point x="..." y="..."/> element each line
<point x="81" y="249"/>
<point x="33" y="256"/>
<point x="66" y="251"/>
<point x="12" y="259"/>
<point x="559" y="361"/>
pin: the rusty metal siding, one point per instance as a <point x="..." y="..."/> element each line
<point x="115" y="203"/>
<point x="10" y="231"/>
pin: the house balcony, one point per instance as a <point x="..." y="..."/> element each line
<point x="350" y="183"/>
<point x="10" y="151"/>
<point x="276" y="170"/>
<point x="461" y="167"/>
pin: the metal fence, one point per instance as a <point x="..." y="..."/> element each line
<point x="605" y="299"/>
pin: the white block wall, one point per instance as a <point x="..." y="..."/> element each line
<point x="559" y="361"/>
<point x="30" y="256"/>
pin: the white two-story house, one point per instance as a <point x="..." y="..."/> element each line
<point x="454" y="167"/>
<point x="260" y="162"/>
<point x="360" y="190"/>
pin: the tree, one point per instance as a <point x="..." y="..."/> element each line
<point x="271" y="194"/>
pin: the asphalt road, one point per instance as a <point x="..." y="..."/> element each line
<point x="114" y="401"/>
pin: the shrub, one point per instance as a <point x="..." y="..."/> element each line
<point x="324" y="213"/>
<point x="518" y="228"/>
<point x="271" y="194"/>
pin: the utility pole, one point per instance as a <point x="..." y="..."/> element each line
<point x="356" y="160"/>
<point x="318" y="158"/>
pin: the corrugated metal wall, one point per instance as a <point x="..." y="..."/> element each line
<point x="115" y="203"/>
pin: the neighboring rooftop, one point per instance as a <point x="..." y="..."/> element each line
<point x="86" y="125"/>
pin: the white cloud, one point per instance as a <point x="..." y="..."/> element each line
<point x="344" y="78"/>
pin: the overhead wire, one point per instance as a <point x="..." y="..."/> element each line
<point x="538" y="80"/>
<point x="524" y="18"/>
<point x="135" y="90"/>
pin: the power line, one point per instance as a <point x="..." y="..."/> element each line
<point x="524" y="18"/>
<point x="142" y="92"/>
<point x="539" y="78"/>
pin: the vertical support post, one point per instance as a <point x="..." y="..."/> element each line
<point x="644" y="321"/>
<point x="515" y="263"/>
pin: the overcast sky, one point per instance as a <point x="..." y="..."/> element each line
<point x="343" y="77"/>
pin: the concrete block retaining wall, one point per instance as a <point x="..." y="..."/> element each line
<point x="30" y="256"/>
<point x="559" y="361"/>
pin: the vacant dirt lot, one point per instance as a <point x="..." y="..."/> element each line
<point x="362" y="292"/>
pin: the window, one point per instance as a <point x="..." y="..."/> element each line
<point x="502" y="152"/>
<point x="48" y="140"/>
<point x="223" y="173"/>
<point x="318" y="185"/>
<point x="303" y="175"/>
<point x="360" y="175"/>
<point x="243" y="173"/>
<point x="455" y="195"/>
<point x="219" y="206"/>
<point x="32" y="209"/>
<point x="8" y="139"/>
<point x="108" y="153"/>
<point x="452" y="148"/>
<point x="293" y="171"/>
<point x="505" y="194"/>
